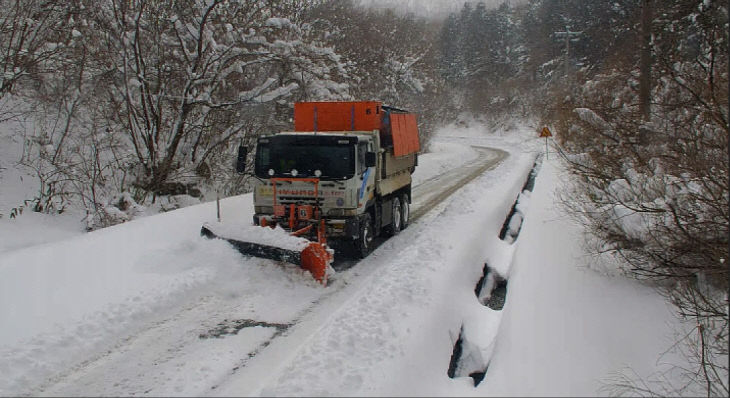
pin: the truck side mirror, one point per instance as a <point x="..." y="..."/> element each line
<point x="241" y="160"/>
<point x="370" y="159"/>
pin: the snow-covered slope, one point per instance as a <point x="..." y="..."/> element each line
<point x="569" y="330"/>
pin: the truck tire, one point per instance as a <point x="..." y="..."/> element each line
<point x="364" y="241"/>
<point x="405" y="212"/>
<point x="397" y="212"/>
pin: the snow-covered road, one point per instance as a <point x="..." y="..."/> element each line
<point x="151" y="308"/>
<point x="430" y="192"/>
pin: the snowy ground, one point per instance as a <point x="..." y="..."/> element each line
<point x="151" y="308"/>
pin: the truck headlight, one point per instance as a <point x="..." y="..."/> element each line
<point x="264" y="209"/>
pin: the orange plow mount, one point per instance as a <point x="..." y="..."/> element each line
<point x="297" y="235"/>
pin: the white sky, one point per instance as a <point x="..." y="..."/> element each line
<point x="431" y="7"/>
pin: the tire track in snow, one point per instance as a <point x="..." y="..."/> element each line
<point x="429" y="193"/>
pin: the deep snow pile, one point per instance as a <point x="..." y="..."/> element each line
<point x="275" y="237"/>
<point x="387" y="326"/>
<point x="567" y="328"/>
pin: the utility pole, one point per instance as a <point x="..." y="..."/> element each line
<point x="645" y="62"/>
<point x="569" y="36"/>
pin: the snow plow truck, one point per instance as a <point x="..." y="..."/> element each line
<point x="344" y="173"/>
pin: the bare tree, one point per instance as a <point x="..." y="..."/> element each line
<point x="389" y="57"/>
<point x="184" y="70"/>
<point x="32" y="36"/>
<point x="31" y="33"/>
<point x="144" y="97"/>
<point x="661" y="205"/>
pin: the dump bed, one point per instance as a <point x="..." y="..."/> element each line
<point x="398" y="129"/>
<point x="404" y="133"/>
<point x="337" y="116"/>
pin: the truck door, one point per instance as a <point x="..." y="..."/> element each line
<point x="362" y="148"/>
<point x="364" y="172"/>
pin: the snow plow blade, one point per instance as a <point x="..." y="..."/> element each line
<point x="311" y="256"/>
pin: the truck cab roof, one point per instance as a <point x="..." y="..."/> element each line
<point x="361" y="135"/>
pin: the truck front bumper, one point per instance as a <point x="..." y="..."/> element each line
<point x="340" y="228"/>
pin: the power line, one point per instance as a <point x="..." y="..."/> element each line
<point x="569" y="36"/>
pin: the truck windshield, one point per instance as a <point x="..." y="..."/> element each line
<point x="334" y="157"/>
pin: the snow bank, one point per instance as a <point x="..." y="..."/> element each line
<point x="62" y="300"/>
<point x="567" y="330"/>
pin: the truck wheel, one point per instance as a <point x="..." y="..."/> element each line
<point x="405" y="212"/>
<point x="395" y="224"/>
<point x="364" y="242"/>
